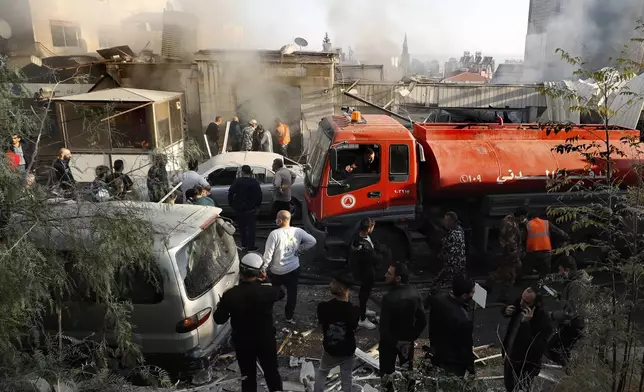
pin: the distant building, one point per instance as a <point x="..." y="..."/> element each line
<point x="467" y="77"/>
<point x="450" y="67"/>
<point x="508" y="73"/>
<point x="434" y="68"/>
<point x="405" y="59"/>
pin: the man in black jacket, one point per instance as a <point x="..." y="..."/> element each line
<point x="212" y="134"/>
<point x="451" y="328"/>
<point x="249" y="306"/>
<point x="401" y="323"/>
<point x="63" y="173"/>
<point x="364" y="260"/>
<point x="245" y="197"/>
<point x="235" y="134"/>
<point x="525" y="340"/>
<point x="570" y="318"/>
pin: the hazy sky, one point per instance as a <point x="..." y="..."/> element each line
<point x="434" y="27"/>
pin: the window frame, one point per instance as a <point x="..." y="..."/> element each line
<point x="399" y="177"/>
<point x="65" y="27"/>
<point x="355" y="182"/>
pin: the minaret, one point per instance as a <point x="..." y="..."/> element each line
<point x="405" y="58"/>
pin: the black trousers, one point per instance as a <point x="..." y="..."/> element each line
<point x="282" y="150"/>
<point x="518" y="377"/>
<point x="247" y="223"/>
<point x="214" y="147"/>
<point x="289" y="281"/>
<point x="264" y="350"/>
<point x="389" y="352"/>
<point x="539" y="261"/>
<point x="562" y="342"/>
<point x="279" y="206"/>
<point x="367" y="282"/>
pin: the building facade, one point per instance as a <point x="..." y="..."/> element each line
<point x="45" y="28"/>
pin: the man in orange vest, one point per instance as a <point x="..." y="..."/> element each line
<point x="283" y="137"/>
<point x="539" y="245"/>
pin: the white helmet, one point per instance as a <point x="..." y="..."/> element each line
<point x="252" y="263"/>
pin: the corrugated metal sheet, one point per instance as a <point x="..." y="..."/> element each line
<point x="628" y="104"/>
<point x="122" y="95"/>
<point x="449" y="95"/>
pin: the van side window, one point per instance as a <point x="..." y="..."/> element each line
<point x="398" y="163"/>
<point x="205" y="260"/>
<point x="357" y="168"/>
<point x="139" y="286"/>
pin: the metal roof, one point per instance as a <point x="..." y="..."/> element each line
<point x="134" y="95"/>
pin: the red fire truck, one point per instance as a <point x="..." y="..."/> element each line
<point x="480" y="171"/>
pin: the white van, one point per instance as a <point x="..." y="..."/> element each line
<point x="196" y="256"/>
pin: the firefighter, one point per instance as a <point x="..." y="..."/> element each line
<point x="452" y="253"/>
<point x="250" y="309"/>
<point x="539" y="244"/>
<point x="283" y="137"/>
<point x="510" y="239"/>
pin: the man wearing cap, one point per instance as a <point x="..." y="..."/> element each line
<point x="245" y="197"/>
<point x="247" y="136"/>
<point x="249" y="306"/>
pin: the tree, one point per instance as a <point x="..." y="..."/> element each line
<point x="100" y="252"/>
<point x="606" y="357"/>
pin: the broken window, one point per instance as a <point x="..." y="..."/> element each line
<point x="65" y="34"/>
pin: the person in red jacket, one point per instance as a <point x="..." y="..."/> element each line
<point x="13" y="158"/>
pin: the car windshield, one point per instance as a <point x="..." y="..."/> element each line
<point x="318" y="158"/>
<point x="205" y="260"/>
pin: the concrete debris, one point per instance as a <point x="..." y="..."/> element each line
<point x="293" y="386"/>
<point x="368" y="359"/>
<point x="307" y="333"/>
<point x="369" y="388"/>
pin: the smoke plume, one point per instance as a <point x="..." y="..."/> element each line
<point x="595" y="30"/>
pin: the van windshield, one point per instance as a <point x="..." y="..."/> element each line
<point x="205" y="260"/>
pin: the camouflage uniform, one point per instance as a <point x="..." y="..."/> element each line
<point x="247" y="139"/>
<point x="510" y="240"/>
<point x="453" y="257"/>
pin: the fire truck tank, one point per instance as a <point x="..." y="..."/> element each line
<point x="475" y="160"/>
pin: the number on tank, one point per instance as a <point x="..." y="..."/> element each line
<point x="466" y="178"/>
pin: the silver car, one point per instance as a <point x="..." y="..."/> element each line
<point x="196" y="256"/>
<point x="221" y="170"/>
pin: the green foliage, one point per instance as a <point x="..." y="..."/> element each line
<point x="47" y="256"/>
<point x="608" y="222"/>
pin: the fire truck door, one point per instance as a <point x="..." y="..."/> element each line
<point x="357" y="188"/>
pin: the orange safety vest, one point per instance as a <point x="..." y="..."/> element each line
<point x="538" y="235"/>
<point x="283" y="135"/>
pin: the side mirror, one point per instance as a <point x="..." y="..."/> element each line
<point x="333" y="159"/>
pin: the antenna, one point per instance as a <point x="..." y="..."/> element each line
<point x="301" y="42"/>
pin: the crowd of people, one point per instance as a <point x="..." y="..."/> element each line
<point x="252" y="137"/>
<point x="533" y="332"/>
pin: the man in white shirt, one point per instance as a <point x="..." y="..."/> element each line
<point x="281" y="257"/>
<point x="191" y="178"/>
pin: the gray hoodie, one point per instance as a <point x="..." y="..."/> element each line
<point x="282" y="183"/>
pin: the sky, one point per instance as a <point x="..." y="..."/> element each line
<point x="435" y="28"/>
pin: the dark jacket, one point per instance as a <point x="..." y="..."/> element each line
<point x="403" y="317"/>
<point x="249" y="306"/>
<point x="235" y="135"/>
<point x="363" y="258"/>
<point x="525" y="343"/>
<point x="63" y="175"/>
<point x="572" y="301"/>
<point x="450" y="332"/>
<point x="113" y="182"/>
<point x="212" y="132"/>
<point x="245" y="194"/>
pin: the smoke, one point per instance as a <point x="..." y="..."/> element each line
<point x="595" y="30"/>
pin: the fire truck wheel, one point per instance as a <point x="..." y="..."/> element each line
<point x="394" y="243"/>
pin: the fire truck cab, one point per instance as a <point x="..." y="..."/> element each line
<point x="361" y="169"/>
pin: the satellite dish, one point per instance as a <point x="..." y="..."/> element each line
<point x="5" y="29"/>
<point x="302" y="43"/>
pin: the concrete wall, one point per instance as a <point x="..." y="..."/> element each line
<point x="227" y="78"/>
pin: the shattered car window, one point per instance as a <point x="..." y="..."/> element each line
<point x="205" y="260"/>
